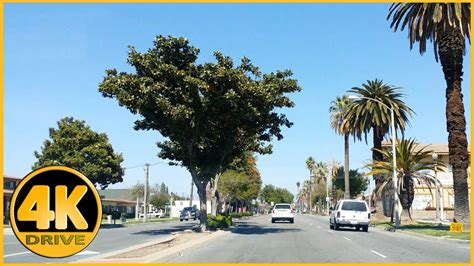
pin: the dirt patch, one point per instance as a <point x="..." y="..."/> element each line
<point x="179" y="238"/>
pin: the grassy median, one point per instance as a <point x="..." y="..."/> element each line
<point x="428" y="229"/>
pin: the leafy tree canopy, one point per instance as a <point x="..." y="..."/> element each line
<point x="358" y="183"/>
<point x="235" y="185"/>
<point x="74" y="144"/>
<point x="276" y="195"/>
<point x="209" y="112"/>
<point x="160" y="200"/>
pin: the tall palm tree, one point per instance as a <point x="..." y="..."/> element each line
<point x="310" y="163"/>
<point x="411" y="167"/>
<point x="446" y="26"/>
<point x="366" y="115"/>
<point x="320" y="170"/>
<point x="337" y="110"/>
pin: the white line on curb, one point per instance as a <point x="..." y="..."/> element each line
<point x="16" y="254"/>
<point x="381" y="255"/>
<point x="348" y="238"/>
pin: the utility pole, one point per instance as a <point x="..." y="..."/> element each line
<point x="145" y="196"/>
<point x="191" y="195"/>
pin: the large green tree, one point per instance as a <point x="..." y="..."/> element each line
<point x="276" y="195"/>
<point x="357" y="185"/>
<point x="446" y="25"/>
<point x="239" y="187"/>
<point x="74" y="144"/>
<point x="337" y="111"/>
<point x="209" y="113"/>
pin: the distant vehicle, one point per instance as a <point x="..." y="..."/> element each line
<point x="189" y="213"/>
<point x="350" y="213"/>
<point x="154" y="214"/>
<point x="283" y="211"/>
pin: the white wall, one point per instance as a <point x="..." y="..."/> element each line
<point x="181" y="204"/>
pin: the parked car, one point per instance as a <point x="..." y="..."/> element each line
<point x="283" y="211"/>
<point x="350" y="213"/>
<point x="189" y="213"/>
<point x="153" y="214"/>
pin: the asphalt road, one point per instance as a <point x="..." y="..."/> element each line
<point x="309" y="240"/>
<point x="108" y="239"/>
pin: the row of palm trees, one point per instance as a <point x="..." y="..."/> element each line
<point x="446" y="25"/>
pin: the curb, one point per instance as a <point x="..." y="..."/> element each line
<point x="439" y="238"/>
<point x="182" y="247"/>
<point x="102" y="258"/>
<point x="434" y="237"/>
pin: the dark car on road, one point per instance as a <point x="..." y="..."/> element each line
<point x="189" y="213"/>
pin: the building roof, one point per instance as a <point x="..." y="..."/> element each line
<point x="119" y="201"/>
<point x="436" y="148"/>
<point x="11" y="177"/>
<point x="118" y="194"/>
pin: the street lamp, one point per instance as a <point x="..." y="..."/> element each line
<point x="394" y="139"/>
<point x="438" y="192"/>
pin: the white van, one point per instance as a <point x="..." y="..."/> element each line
<point x="350" y="213"/>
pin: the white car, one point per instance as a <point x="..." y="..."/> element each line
<point x="154" y="214"/>
<point x="283" y="211"/>
<point x="350" y="213"/>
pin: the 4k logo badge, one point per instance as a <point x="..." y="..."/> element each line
<point x="55" y="212"/>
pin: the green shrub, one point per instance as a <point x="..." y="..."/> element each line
<point x="240" y="214"/>
<point x="218" y="222"/>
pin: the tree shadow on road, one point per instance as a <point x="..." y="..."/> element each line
<point x="164" y="231"/>
<point x="254" y="229"/>
<point x="111" y="226"/>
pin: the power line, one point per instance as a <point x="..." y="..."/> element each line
<point x="142" y="165"/>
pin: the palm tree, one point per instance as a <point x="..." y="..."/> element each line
<point x="365" y="115"/>
<point x="320" y="170"/>
<point x="446" y="26"/>
<point x="411" y="165"/>
<point x="337" y="110"/>
<point x="310" y="165"/>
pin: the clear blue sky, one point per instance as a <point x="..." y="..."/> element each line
<point x="55" y="57"/>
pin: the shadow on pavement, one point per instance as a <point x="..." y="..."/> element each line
<point x="254" y="229"/>
<point x="165" y="231"/>
<point x="111" y="226"/>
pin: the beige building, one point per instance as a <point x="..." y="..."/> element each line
<point x="423" y="198"/>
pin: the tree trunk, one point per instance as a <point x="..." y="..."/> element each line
<point x="407" y="192"/>
<point x="201" y="189"/>
<point x="191" y="194"/>
<point x="377" y="156"/>
<point x="451" y="51"/>
<point x="347" y="194"/>
<point x="215" y="195"/>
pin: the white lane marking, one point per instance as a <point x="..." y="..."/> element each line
<point x="329" y="231"/>
<point x="319" y="227"/>
<point x="9" y="243"/>
<point x="16" y="254"/>
<point x="380" y="254"/>
<point x="87" y="252"/>
<point x="311" y="224"/>
<point x="347" y="238"/>
<point x="464" y="247"/>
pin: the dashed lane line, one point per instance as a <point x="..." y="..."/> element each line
<point x="85" y="252"/>
<point x="377" y="253"/>
<point x="348" y="238"/>
<point x="16" y="254"/>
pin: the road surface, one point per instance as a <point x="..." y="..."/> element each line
<point x="108" y="239"/>
<point x="309" y="240"/>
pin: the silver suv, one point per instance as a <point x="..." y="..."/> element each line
<point x="189" y="213"/>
